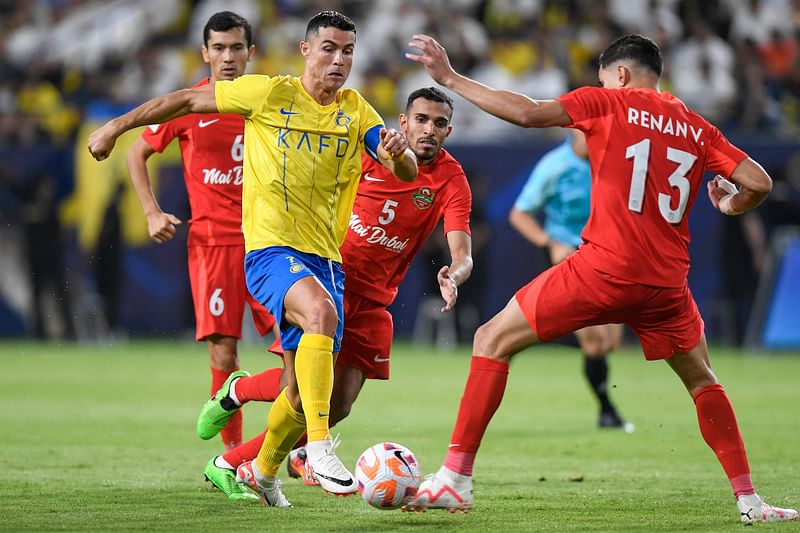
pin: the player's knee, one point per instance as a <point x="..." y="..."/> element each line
<point x="596" y="344"/>
<point x="293" y="395"/>
<point x="224" y="356"/>
<point x="340" y="410"/>
<point x="487" y="342"/>
<point x="321" y="317"/>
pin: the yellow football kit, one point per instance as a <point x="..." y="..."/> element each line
<point x="302" y="161"/>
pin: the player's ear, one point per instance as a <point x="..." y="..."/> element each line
<point x="204" y="51"/>
<point x="305" y="48"/>
<point x="403" y="122"/>
<point x="623" y="75"/>
<point x="449" y="131"/>
<point x="251" y="52"/>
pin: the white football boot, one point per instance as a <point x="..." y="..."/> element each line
<point x="443" y="490"/>
<point x="753" y="509"/>
<point x="325" y="467"/>
<point x="267" y="488"/>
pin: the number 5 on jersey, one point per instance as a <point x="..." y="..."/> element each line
<point x="640" y="152"/>
<point x="387" y="213"/>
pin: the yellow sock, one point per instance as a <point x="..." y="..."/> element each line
<point x="284" y="427"/>
<point x="313" y="366"/>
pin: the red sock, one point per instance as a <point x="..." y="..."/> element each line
<point x="263" y="387"/>
<point x="721" y="432"/>
<point x="482" y="396"/>
<point x="249" y="450"/>
<point x="245" y="452"/>
<point x="232" y="432"/>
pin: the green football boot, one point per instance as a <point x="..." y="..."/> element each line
<point x="225" y="480"/>
<point x="214" y="416"/>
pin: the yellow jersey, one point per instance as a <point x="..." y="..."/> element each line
<point x="302" y="161"/>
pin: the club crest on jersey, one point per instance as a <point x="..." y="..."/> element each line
<point x="294" y="268"/>
<point x="342" y="119"/>
<point x="423" y="198"/>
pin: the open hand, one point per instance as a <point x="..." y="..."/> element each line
<point x="448" y="288"/>
<point x="433" y="57"/>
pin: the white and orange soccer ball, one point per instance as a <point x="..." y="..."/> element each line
<point x="387" y="475"/>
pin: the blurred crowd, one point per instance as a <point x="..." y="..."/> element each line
<point x="735" y="61"/>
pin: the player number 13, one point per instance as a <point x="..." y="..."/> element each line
<point x="640" y="152"/>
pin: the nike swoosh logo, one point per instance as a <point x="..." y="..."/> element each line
<point x="399" y="455"/>
<point x="370" y="178"/>
<point x="322" y="415"/>
<point x="379" y="359"/>
<point x="284" y="112"/>
<point x="342" y="482"/>
<point x="204" y="123"/>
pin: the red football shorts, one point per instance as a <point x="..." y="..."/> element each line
<point x="219" y="292"/>
<point x="572" y="295"/>
<point x="367" y="337"/>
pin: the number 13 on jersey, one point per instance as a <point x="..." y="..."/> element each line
<point x="640" y="153"/>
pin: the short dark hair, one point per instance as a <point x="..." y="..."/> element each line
<point x="227" y="20"/>
<point x="329" y="19"/>
<point x="637" y="48"/>
<point x="433" y="94"/>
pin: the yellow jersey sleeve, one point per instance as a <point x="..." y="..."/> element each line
<point x="244" y="95"/>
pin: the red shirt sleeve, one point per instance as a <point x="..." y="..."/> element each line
<point x="723" y="157"/>
<point x="459" y="206"/>
<point x="585" y="105"/>
<point x="158" y="136"/>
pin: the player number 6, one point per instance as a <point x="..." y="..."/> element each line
<point x="216" y="304"/>
<point x="237" y="149"/>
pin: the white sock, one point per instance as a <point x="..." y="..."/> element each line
<point x="220" y="462"/>
<point x="261" y="478"/>
<point x="317" y="448"/>
<point x="232" y="392"/>
<point x="453" y="477"/>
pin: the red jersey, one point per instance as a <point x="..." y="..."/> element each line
<point x="391" y="219"/>
<point x="212" y="148"/>
<point x="648" y="153"/>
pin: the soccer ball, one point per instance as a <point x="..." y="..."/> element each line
<point x="388" y="475"/>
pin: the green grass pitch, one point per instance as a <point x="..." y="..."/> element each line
<point x="102" y="438"/>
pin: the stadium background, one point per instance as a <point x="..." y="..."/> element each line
<point x="76" y="261"/>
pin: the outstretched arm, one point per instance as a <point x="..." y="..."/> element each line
<point x="160" y="225"/>
<point x="755" y="185"/>
<point x="175" y="104"/>
<point x="459" y="270"/>
<point x="510" y="106"/>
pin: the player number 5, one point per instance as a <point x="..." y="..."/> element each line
<point x="388" y="212"/>
<point x="216" y="304"/>
<point x="640" y="152"/>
